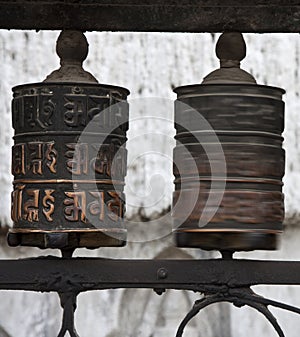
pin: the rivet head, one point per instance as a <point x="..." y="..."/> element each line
<point x="162" y="273"/>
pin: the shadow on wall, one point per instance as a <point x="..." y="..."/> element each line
<point x="3" y="333"/>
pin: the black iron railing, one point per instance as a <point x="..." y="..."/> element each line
<point x="220" y="280"/>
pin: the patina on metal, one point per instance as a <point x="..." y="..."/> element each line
<point x="220" y="280"/>
<point x="248" y="120"/>
<point x="152" y="15"/>
<point x="69" y="157"/>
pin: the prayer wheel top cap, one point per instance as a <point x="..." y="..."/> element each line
<point x="231" y="50"/>
<point x="72" y="48"/>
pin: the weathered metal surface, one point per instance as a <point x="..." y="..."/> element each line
<point x="153" y="15"/>
<point x="62" y="185"/>
<point x="69" y="161"/>
<point x="84" y="274"/>
<point x="238" y="205"/>
<point x="220" y="280"/>
<point x="69" y="305"/>
<point x="239" y="297"/>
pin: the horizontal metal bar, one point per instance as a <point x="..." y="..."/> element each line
<point x="83" y="274"/>
<point x="152" y="15"/>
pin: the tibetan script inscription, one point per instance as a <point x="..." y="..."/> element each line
<point x="76" y="206"/>
<point x="102" y="163"/>
<point x="75" y="113"/>
<point x="78" y="209"/>
<point x="77" y="158"/>
<point x="48" y="204"/>
<point x="33" y="111"/>
<point x="25" y="204"/>
<point x="51" y="157"/>
<point x="18" y="159"/>
<point x="36" y="157"/>
<point x="30" y="157"/>
<point x="16" y="205"/>
<point x="109" y="159"/>
<point x="81" y="109"/>
<point x="97" y="207"/>
<point x="114" y="206"/>
<point x="31" y="206"/>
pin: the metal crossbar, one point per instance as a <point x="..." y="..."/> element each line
<point x="220" y="280"/>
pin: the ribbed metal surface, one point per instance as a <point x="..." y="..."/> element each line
<point x="246" y="207"/>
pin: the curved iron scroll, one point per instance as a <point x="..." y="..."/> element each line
<point x="238" y="297"/>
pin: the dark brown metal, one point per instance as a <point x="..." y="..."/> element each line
<point x="245" y="210"/>
<point x="69" y="157"/>
<point x="84" y="274"/>
<point x="152" y="15"/>
<point x="68" y="303"/>
<point x="219" y="280"/>
<point x="239" y="297"/>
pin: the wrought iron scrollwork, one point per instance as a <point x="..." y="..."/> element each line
<point x="239" y="297"/>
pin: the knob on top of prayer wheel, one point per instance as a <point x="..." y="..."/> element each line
<point x="231" y="50"/>
<point x="72" y="48"/>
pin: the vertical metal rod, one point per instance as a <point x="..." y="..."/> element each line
<point x="68" y="303"/>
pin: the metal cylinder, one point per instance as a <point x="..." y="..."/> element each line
<point x="69" y="159"/>
<point x="242" y="207"/>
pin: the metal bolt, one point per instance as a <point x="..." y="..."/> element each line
<point x="162" y="273"/>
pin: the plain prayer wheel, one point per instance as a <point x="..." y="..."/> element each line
<point x="228" y="161"/>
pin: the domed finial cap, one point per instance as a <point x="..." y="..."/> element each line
<point x="231" y="47"/>
<point x="72" y="48"/>
<point x="231" y="50"/>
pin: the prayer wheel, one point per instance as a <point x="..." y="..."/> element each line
<point x="69" y="157"/>
<point x="228" y="161"/>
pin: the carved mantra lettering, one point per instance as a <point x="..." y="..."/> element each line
<point x="107" y="159"/>
<point x="29" y="158"/>
<point x="81" y="109"/>
<point x="48" y="204"/>
<point x="36" y="111"/>
<point x="78" y="206"/>
<point x="33" y="110"/>
<point x="77" y="158"/>
<point x="35" y="157"/>
<point x="29" y="210"/>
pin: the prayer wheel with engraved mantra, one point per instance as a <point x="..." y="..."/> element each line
<point x="238" y="205"/>
<point x="69" y="157"/>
